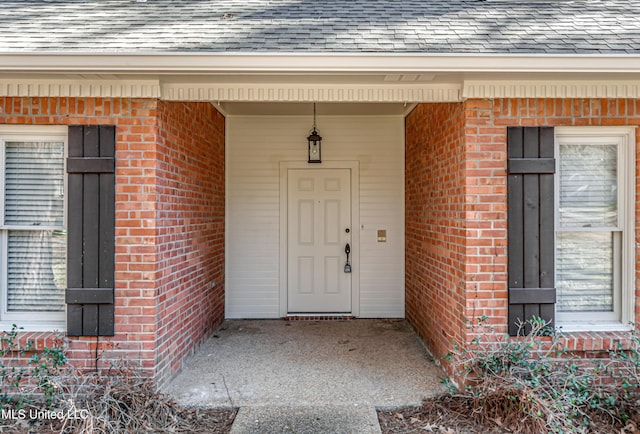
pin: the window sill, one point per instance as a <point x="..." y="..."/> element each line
<point x="40" y="340"/>
<point x="592" y="342"/>
<point x="41" y="326"/>
<point x="594" y="327"/>
<point x="44" y="335"/>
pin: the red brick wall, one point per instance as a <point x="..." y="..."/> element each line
<point x="435" y="237"/>
<point x="135" y="121"/>
<point x="483" y="181"/>
<point x="486" y="122"/>
<point x="486" y="212"/>
<point x="169" y="208"/>
<point x="190" y="229"/>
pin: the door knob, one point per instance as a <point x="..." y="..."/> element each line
<point x="347" y="266"/>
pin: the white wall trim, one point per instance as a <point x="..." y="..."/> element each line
<point x="355" y="225"/>
<point x="551" y="89"/>
<point x="80" y="88"/>
<point x="227" y="237"/>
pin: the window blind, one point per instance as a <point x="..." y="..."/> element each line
<point x="588" y="198"/>
<point x="34" y="184"/>
<point x="588" y="186"/>
<point x="34" y="204"/>
<point x="36" y="272"/>
<point x="584" y="271"/>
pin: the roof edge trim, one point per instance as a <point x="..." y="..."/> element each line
<point x="312" y="62"/>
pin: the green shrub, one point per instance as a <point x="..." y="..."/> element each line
<point x="533" y="383"/>
<point x="25" y="374"/>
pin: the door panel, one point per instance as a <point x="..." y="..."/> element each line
<point x="305" y="274"/>
<point x="306" y="222"/>
<point x="332" y="271"/>
<point x="319" y="208"/>
<point x="332" y="229"/>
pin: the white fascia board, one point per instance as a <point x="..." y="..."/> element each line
<point x="186" y="63"/>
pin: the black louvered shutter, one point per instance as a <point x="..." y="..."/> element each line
<point x="531" y="250"/>
<point x="91" y="231"/>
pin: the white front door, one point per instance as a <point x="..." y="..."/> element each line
<point x="319" y="228"/>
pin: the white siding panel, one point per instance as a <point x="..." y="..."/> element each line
<point x="255" y="147"/>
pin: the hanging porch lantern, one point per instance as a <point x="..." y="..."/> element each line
<point x="315" y="142"/>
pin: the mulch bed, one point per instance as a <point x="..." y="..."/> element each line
<point x="454" y="414"/>
<point x="444" y="414"/>
<point x="437" y="415"/>
<point x="199" y="421"/>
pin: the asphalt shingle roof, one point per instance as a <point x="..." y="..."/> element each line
<point x="427" y="26"/>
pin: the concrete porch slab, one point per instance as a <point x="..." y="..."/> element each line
<point x="357" y="363"/>
<point x="306" y="420"/>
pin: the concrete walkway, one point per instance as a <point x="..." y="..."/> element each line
<point x="308" y="377"/>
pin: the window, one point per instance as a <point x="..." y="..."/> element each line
<point x="32" y="226"/>
<point x="595" y="264"/>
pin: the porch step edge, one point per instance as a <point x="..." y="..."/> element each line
<point x="319" y="317"/>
